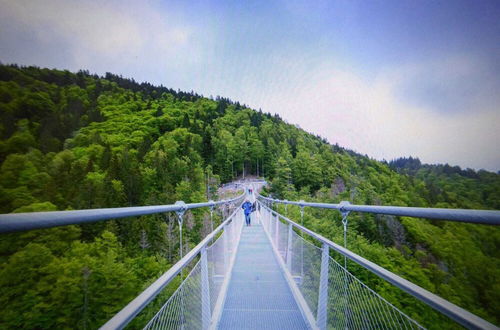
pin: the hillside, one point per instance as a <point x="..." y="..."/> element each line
<point x="76" y="140"/>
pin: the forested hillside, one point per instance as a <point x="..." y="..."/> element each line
<point x="76" y="140"/>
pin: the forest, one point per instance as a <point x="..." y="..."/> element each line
<point x="79" y="141"/>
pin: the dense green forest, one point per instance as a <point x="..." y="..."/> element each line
<point x="76" y="140"/>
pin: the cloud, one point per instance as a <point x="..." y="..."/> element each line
<point x="455" y="84"/>
<point x="94" y="26"/>
<point x="101" y="36"/>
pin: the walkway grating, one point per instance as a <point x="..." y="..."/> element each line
<point x="258" y="295"/>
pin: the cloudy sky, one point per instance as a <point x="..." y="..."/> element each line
<point x="384" y="78"/>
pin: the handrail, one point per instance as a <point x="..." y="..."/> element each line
<point x="14" y="222"/>
<point x="473" y="216"/>
<point x="451" y="310"/>
<point x="123" y="317"/>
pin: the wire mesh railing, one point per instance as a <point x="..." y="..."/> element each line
<point x="193" y="304"/>
<point x="438" y="304"/>
<point x="332" y="294"/>
<point x="352" y="304"/>
<point x="184" y="308"/>
<point x="216" y="269"/>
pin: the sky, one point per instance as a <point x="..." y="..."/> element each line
<point x="384" y="78"/>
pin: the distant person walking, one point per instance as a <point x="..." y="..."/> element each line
<point x="248" y="209"/>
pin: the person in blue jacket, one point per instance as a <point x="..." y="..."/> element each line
<point x="248" y="209"/>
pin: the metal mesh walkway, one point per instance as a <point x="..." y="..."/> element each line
<point x="258" y="296"/>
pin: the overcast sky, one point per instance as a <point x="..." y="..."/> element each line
<point x="384" y="78"/>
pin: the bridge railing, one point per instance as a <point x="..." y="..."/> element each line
<point x="488" y="217"/>
<point x="197" y="301"/>
<point x="334" y="297"/>
<point x="333" y="294"/>
<point x="15" y="222"/>
<point x="212" y="257"/>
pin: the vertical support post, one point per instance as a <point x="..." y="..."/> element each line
<point x="301" y="212"/>
<point x="212" y="207"/>
<point x="205" y="290"/>
<point x="232" y="230"/>
<point x="257" y="210"/>
<point x="269" y="215"/>
<point x="322" y="313"/>
<point x="229" y="229"/>
<point x="276" y="233"/>
<point x="345" y="214"/>
<point x="289" y="248"/>
<point x="302" y="240"/>
<point x="242" y="220"/>
<point x="180" y="217"/>
<point x="263" y="215"/>
<point x="225" y="246"/>
<point x="270" y="222"/>
<point x="212" y="215"/>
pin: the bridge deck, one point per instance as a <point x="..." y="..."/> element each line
<point x="258" y="295"/>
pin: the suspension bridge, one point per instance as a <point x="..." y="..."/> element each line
<point x="274" y="274"/>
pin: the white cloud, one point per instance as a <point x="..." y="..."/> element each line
<point x="124" y="37"/>
<point x="459" y="83"/>
<point x="96" y="27"/>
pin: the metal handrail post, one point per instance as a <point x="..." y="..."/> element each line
<point x="276" y="233"/>
<point x="205" y="290"/>
<point x="322" y="313"/>
<point x="289" y="248"/>
<point x="180" y="217"/>
<point x="225" y="248"/>
<point x="269" y="221"/>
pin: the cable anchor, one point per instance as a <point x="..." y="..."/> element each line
<point x="345" y="214"/>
